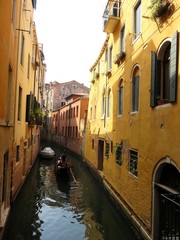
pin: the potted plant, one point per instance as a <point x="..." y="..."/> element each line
<point x="158" y="7"/>
<point x="32" y="118"/>
<point x="119" y="57"/>
<point x="39" y="116"/>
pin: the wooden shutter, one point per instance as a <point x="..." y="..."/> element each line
<point x="28" y="106"/>
<point x="173" y="68"/>
<point x="153" y="80"/>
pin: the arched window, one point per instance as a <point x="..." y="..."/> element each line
<point x="120" y="97"/>
<point x="164" y="72"/>
<point x="109" y="103"/>
<point x="135" y="89"/>
<point x="163" y="80"/>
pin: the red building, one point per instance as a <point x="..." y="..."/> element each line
<point x="68" y="123"/>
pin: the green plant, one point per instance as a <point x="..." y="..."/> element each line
<point x="158" y="7"/>
<point x="38" y="112"/>
<point x="32" y="115"/>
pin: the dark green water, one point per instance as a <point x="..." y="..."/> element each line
<point x="49" y="208"/>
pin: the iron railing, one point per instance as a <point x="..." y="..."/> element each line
<point x="170" y="217"/>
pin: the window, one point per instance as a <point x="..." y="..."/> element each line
<point x="122" y="39"/>
<point x="73" y="132"/>
<point x="9" y="95"/>
<point x="13" y="11"/>
<point x="17" y="153"/>
<point x="106" y="55"/>
<point x="76" y="132"/>
<point x="19" y="103"/>
<point x="110" y="57"/>
<point x="92" y="146"/>
<point x="109" y="103"/>
<point x="77" y="109"/>
<point x="120" y="97"/>
<point x="91" y="113"/>
<point x="164" y="73"/>
<point x="133" y="162"/>
<point x="103" y="103"/>
<point x="119" y="154"/>
<point x="22" y="50"/>
<point x="135" y="90"/>
<point x="5" y="176"/>
<point x="28" y="67"/>
<point x="107" y="149"/>
<point x="137" y="20"/>
<point x="94" y="112"/>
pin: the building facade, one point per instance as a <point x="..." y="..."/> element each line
<point x="55" y="97"/>
<point x="55" y="93"/>
<point x="22" y="80"/>
<point x="69" y="122"/>
<point x="132" y="138"/>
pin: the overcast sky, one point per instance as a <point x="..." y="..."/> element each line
<point x="72" y="36"/>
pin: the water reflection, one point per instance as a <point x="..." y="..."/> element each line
<point x="49" y="207"/>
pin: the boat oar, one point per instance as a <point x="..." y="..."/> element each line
<point x="73" y="175"/>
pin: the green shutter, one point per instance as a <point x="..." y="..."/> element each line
<point x="28" y="107"/>
<point x="153" y="80"/>
<point x="173" y="67"/>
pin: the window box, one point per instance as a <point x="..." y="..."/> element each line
<point x="119" y="57"/>
<point x="158" y="8"/>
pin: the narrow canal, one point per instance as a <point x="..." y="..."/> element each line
<point x="49" y="208"/>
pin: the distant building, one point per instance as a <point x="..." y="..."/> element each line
<point x="55" y="97"/>
<point x="55" y="93"/>
<point x="69" y="122"/>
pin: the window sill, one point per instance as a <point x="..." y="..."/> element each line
<point x="136" y="39"/>
<point x="134" y="113"/>
<point x="165" y="105"/>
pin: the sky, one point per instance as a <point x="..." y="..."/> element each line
<point x="72" y="37"/>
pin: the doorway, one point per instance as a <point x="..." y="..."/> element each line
<point x="166" y="201"/>
<point x="100" y="154"/>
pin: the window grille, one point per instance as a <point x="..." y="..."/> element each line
<point x="133" y="162"/>
<point x="107" y="149"/>
<point x="119" y="154"/>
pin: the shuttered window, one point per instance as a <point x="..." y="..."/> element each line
<point x="135" y="90"/>
<point x="164" y="73"/>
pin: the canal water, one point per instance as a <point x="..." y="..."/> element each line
<point x="51" y="208"/>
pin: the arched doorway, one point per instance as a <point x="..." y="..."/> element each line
<point x="166" y="200"/>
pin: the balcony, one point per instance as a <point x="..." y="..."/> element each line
<point x="111" y="16"/>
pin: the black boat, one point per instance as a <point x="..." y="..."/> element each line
<point x="63" y="166"/>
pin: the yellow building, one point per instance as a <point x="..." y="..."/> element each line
<point x="29" y="90"/>
<point x="8" y="50"/>
<point x="132" y="136"/>
<point x="21" y="87"/>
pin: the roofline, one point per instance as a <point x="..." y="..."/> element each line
<point x="101" y="53"/>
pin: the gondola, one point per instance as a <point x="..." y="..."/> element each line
<point x="63" y="167"/>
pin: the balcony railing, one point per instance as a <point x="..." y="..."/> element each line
<point x="111" y="16"/>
